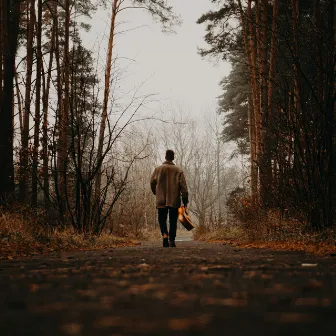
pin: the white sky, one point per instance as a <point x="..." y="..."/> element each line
<point x="168" y="64"/>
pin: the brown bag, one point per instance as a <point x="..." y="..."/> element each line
<point x="185" y="219"/>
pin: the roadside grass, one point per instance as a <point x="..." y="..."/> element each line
<point x="289" y="236"/>
<point x="23" y="235"/>
<point x="153" y="234"/>
<point x="234" y="233"/>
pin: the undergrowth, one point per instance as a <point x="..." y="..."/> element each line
<point x="318" y="243"/>
<point x="23" y="233"/>
<point x="252" y="226"/>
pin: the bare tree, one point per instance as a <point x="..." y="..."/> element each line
<point x="200" y="153"/>
<point x="160" y="11"/>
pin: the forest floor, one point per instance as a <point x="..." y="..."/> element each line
<point x="65" y="242"/>
<point x="320" y="248"/>
<point x="322" y="244"/>
<point x="196" y="289"/>
<point x="24" y="236"/>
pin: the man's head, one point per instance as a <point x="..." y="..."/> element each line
<point x="170" y="155"/>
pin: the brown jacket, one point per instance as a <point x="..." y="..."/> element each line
<point x="168" y="184"/>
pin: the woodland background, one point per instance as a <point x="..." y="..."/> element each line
<point x="75" y="154"/>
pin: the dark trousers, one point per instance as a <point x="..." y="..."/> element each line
<point x="163" y="214"/>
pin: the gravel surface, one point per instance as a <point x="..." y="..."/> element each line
<point x="194" y="289"/>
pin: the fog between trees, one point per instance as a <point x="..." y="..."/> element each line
<point x="73" y="146"/>
<point x="76" y="147"/>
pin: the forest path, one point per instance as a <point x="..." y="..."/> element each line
<point x="195" y="289"/>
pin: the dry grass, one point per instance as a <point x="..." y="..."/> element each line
<point x="223" y="233"/>
<point x="287" y="235"/>
<point x="254" y="226"/>
<point x="320" y="249"/>
<point x="151" y="235"/>
<point x="24" y="235"/>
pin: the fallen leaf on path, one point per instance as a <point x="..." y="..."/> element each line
<point x="230" y="302"/>
<point x="144" y="267"/>
<point x="289" y="317"/>
<point x="279" y="289"/>
<point x="267" y="276"/>
<point x="251" y="274"/>
<point x="137" y="289"/>
<point x="309" y="302"/>
<point x="110" y="321"/>
<point x="89" y="293"/>
<point x="182" y="297"/>
<point x="313" y="283"/>
<point x="188" y="323"/>
<point x="33" y="288"/>
<point x="72" y="328"/>
<point x="202" y="276"/>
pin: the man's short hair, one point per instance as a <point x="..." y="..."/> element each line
<point x="170" y="155"/>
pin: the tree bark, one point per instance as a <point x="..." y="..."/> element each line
<point x="59" y="108"/>
<point x="219" y="191"/>
<point x="254" y="106"/>
<point x="24" y="157"/>
<point x="62" y="157"/>
<point x="331" y="124"/>
<point x="1" y="46"/>
<point x="18" y="97"/>
<point x="38" y="102"/>
<point x="106" y="97"/>
<point x="265" y="154"/>
<point x="253" y="158"/>
<point x="10" y="29"/>
<point x="45" y="99"/>
<point x="273" y="56"/>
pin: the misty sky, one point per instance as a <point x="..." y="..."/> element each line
<point x="168" y="64"/>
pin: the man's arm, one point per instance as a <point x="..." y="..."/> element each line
<point x="153" y="182"/>
<point x="184" y="189"/>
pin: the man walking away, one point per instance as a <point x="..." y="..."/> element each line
<point x="168" y="184"/>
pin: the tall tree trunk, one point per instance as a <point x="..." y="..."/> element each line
<point x="273" y="56"/>
<point x="296" y="91"/>
<point x="219" y="191"/>
<point x="255" y="40"/>
<point x="295" y="22"/>
<point x="333" y="160"/>
<point x="45" y="100"/>
<point x="64" y="116"/>
<point x="59" y="109"/>
<point x="253" y="150"/>
<point x="254" y="106"/>
<point x="1" y="46"/>
<point x="318" y="46"/>
<point x="18" y="97"/>
<point x="106" y="98"/>
<point x="24" y="146"/>
<point x="38" y="102"/>
<point x="271" y="78"/>
<point x="331" y="124"/>
<point x="10" y="11"/>
<point x="265" y="155"/>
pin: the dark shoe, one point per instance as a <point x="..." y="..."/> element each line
<point x="165" y="242"/>
<point x="172" y="243"/>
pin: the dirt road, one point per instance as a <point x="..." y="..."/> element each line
<point x="195" y="289"/>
